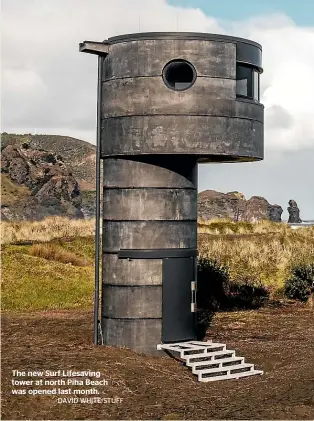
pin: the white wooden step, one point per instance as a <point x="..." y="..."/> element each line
<point x="191" y="352"/>
<point x="202" y="343"/>
<point x="212" y="354"/>
<point x="227" y="369"/>
<point x="186" y="348"/>
<point x="219" y="361"/>
<point x="229" y="376"/>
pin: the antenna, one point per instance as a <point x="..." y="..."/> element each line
<point x="177" y="19"/>
<point x="139" y="23"/>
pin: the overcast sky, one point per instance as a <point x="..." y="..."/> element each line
<point x="49" y="87"/>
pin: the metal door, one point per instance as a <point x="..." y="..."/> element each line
<point x="178" y="318"/>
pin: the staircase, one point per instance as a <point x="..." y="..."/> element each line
<point x="211" y="361"/>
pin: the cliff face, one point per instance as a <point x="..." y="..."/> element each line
<point x="212" y="204"/>
<point x="42" y="183"/>
<point x="78" y="156"/>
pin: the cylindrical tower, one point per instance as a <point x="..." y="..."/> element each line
<point x="167" y="101"/>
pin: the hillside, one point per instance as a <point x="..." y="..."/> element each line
<point x="36" y="184"/>
<point x="78" y="155"/>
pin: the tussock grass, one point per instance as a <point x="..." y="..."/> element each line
<point x="31" y="283"/>
<point x="54" y="252"/>
<point x="261" y="259"/>
<point x="58" y="227"/>
<point x="48" y="229"/>
<point x="228" y="226"/>
<point x="40" y="277"/>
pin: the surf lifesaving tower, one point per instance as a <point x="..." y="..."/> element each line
<point x="166" y="102"/>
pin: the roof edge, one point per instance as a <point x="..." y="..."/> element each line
<point x="202" y="36"/>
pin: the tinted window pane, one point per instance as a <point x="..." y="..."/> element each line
<point x="242" y="87"/>
<point x="244" y="81"/>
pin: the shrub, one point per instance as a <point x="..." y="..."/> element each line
<point x="54" y="252"/>
<point x="247" y="295"/>
<point x="299" y="285"/>
<point x="212" y="284"/>
<point x="216" y="289"/>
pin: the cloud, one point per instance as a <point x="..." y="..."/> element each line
<point x="48" y="85"/>
<point x="287" y="84"/>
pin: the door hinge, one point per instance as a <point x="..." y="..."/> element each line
<point x="193" y="296"/>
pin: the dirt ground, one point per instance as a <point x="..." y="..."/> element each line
<point x="279" y="341"/>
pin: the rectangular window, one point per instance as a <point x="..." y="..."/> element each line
<point x="247" y="82"/>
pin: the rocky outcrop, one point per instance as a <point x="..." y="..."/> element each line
<point x="78" y="156"/>
<point x="294" y="213"/>
<point x="275" y="212"/>
<point x="53" y="189"/>
<point x="212" y="204"/>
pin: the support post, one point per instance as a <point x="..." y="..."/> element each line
<point x="97" y="222"/>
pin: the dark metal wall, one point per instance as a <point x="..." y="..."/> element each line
<point x="152" y="139"/>
<point x="146" y="205"/>
<point x="141" y="114"/>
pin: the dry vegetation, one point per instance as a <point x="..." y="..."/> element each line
<point x="55" y="252"/>
<point x="46" y="230"/>
<point x="58" y="227"/>
<point x="227" y="226"/>
<point x="258" y="254"/>
<point x="58" y="272"/>
<point x="48" y="276"/>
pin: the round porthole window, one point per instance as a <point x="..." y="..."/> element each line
<point x="179" y="75"/>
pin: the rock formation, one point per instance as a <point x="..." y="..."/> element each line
<point x="212" y="204"/>
<point x="52" y="188"/>
<point x="44" y="183"/>
<point x="294" y="212"/>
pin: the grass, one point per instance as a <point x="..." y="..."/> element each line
<point x="58" y="227"/>
<point x="264" y="256"/>
<point x="46" y="230"/>
<point x="59" y="274"/>
<point x="227" y="226"/>
<point x="47" y="277"/>
<point x="57" y="253"/>
<point x="12" y="193"/>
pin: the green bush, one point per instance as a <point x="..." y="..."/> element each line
<point x="247" y="295"/>
<point x="216" y="290"/>
<point x="212" y="284"/>
<point x="212" y="287"/>
<point x="300" y="284"/>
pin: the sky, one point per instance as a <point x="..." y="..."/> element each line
<point x="48" y="87"/>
